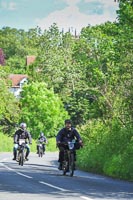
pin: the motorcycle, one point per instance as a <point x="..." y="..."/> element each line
<point x="69" y="158"/>
<point x="21" y="152"/>
<point x="40" y="150"/>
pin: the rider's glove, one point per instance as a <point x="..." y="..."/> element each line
<point x="81" y="143"/>
<point x="58" y="143"/>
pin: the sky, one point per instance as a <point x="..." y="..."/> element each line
<point x="67" y="14"/>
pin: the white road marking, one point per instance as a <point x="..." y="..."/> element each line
<point x="44" y="183"/>
<point x="86" y="198"/>
<point x="21" y="174"/>
<point x="53" y="186"/>
<point x="24" y="175"/>
<point x="15" y="171"/>
<point x="7" y="167"/>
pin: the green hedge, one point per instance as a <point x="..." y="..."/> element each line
<point x="108" y="149"/>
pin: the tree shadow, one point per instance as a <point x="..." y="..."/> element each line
<point x="40" y="175"/>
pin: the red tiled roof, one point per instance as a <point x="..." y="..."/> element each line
<point x="16" y="78"/>
<point x="30" y="59"/>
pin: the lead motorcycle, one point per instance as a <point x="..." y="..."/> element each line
<point x="69" y="157"/>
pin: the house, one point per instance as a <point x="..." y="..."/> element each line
<point x="17" y="82"/>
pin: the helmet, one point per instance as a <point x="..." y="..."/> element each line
<point x="23" y="125"/>
<point x="68" y="121"/>
<point x="41" y="134"/>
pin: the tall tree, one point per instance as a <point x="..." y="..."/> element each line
<point x="41" y="109"/>
<point x="9" y="108"/>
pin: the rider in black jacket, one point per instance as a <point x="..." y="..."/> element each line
<point x="22" y="133"/>
<point x="68" y="133"/>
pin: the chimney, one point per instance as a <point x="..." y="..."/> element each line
<point x="30" y="59"/>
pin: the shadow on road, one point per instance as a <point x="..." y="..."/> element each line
<point x="12" y="181"/>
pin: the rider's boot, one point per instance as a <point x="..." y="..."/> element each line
<point x="67" y="170"/>
<point x="60" y="166"/>
<point x="15" y="155"/>
<point x="37" y="150"/>
<point x="26" y="156"/>
<point x="74" y="166"/>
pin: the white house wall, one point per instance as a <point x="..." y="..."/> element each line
<point x="17" y="90"/>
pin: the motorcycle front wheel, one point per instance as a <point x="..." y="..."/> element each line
<point x="71" y="164"/>
<point x="21" y="158"/>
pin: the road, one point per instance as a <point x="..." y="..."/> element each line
<point x="40" y="179"/>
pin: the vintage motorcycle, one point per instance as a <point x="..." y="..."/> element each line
<point x="21" y="152"/>
<point x="68" y="165"/>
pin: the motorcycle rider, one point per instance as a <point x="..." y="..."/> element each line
<point x="22" y="133"/>
<point x="41" y="140"/>
<point x="68" y="133"/>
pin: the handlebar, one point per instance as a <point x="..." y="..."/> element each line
<point x="77" y="145"/>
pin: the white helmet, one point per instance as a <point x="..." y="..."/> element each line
<point x="23" y="125"/>
<point x="41" y="134"/>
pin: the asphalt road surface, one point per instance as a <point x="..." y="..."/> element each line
<point x="40" y="179"/>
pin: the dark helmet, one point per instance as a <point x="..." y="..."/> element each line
<point x="68" y="121"/>
<point x="41" y="134"/>
<point x="23" y="125"/>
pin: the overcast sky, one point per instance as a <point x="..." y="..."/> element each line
<point x="74" y="14"/>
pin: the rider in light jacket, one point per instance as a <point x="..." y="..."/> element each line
<point x="43" y="140"/>
<point x="22" y="133"/>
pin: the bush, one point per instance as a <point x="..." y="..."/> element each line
<point x="108" y="149"/>
<point x="6" y="143"/>
<point x="42" y="110"/>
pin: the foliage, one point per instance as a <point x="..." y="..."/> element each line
<point x="6" y="143"/>
<point x="9" y="109"/>
<point x="41" y="109"/>
<point x="107" y="149"/>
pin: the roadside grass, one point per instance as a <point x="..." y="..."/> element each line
<point x="6" y="144"/>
